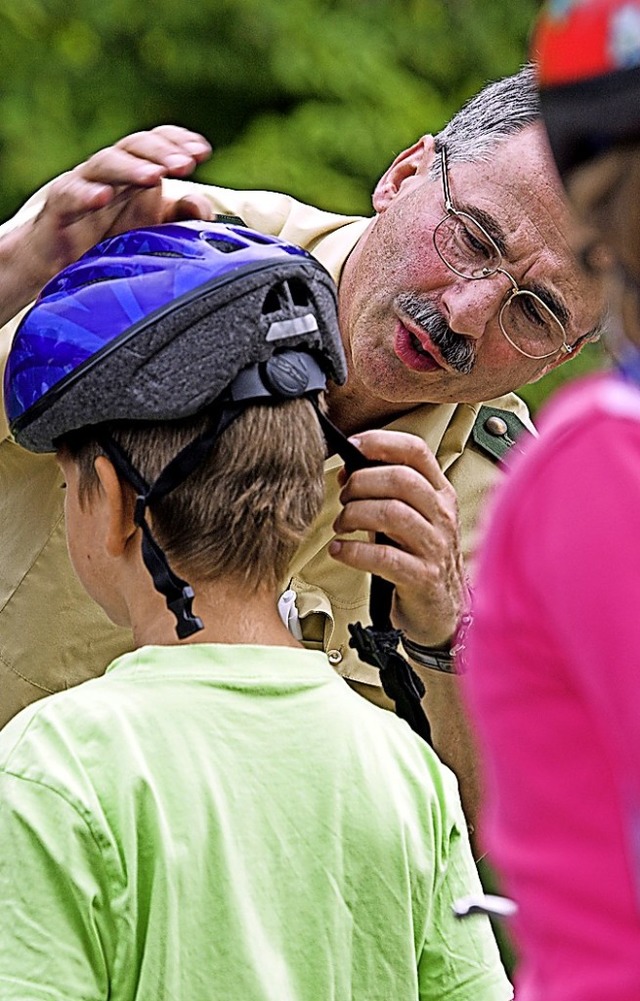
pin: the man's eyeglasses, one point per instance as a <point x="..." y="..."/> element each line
<point x="466" y="248"/>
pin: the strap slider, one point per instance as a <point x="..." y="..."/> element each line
<point x="140" y="509"/>
<point x="187" y="622"/>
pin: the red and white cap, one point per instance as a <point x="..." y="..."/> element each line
<point x="588" y="57"/>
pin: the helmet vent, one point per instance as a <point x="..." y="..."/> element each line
<point x="161" y="253"/>
<point x="299" y="292"/>
<point x="224" y="246"/>
<point x="285" y="296"/>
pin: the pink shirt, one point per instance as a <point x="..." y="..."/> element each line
<point x="554" y="684"/>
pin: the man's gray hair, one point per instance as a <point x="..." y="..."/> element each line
<point x="500" y="110"/>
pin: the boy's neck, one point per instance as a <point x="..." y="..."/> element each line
<point x="231" y="613"/>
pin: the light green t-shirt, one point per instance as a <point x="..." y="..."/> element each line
<point x="231" y="822"/>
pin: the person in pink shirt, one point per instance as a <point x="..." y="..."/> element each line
<point x="553" y="654"/>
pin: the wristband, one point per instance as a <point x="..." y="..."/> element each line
<point x="449" y="658"/>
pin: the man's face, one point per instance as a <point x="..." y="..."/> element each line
<point x="414" y="331"/>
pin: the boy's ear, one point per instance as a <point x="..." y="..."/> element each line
<point x="412" y="164"/>
<point x="119" y="502"/>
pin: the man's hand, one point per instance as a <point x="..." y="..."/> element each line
<point x="116" y="189"/>
<point x="412" y="503"/>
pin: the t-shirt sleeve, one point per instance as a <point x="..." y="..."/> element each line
<point x="55" y="933"/>
<point x="460" y="959"/>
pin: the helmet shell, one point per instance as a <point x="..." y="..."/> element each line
<point x="154" y="324"/>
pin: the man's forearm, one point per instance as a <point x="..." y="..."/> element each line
<point x="20" y="276"/>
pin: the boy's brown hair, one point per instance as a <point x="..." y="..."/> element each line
<point x="243" y="512"/>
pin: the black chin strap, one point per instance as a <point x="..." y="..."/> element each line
<point x="178" y="593"/>
<point x="377" y="644"/>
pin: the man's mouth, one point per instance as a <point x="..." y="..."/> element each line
<point x="417" y="345"/>
<point x="415" y="352"/>
<point x="425" y="343"/>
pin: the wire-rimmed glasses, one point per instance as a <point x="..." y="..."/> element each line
<point x="465" y="247"/>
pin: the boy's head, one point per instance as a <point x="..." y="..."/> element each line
<point x="243" y="511"/>
<point x="176" y="371"/>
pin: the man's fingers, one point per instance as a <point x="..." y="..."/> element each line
<point x="118" y="166"/>
<point x="411" y="503"/>
<point x="403" y="483"/>
<point x="402" y="449"/>
<point x="72" y="196"/>
<point x="394" y="565"/>
<point x="143" y="158"/>
<point x="395" y="519"/>
<point x="176" y="149"/>
<point x="192" y="142"/>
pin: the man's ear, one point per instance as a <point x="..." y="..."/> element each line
<point x="412" y="164"/>
<point x="118" y="502"/>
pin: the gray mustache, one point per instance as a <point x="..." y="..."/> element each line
<point x="456" y="350"/>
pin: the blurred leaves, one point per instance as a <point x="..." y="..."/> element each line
<point x="315" y="96"/>
<point x="592" y="358"/>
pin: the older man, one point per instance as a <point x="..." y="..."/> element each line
<point x="459" y="289"/>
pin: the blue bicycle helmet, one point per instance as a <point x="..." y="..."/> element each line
<point x="162" y="323"/>
<point x="156" y="323"/>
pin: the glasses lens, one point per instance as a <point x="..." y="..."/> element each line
<point x="465" y="246"/>
<point x="530" y="325"/>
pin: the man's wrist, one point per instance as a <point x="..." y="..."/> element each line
<point x="447" y="658"/>
<point x="436" y="658"/>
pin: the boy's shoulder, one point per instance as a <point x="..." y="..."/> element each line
<point x="399" y="757"/>
<point x="50" y="723"/>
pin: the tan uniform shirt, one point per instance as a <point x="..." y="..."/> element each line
<point x="53" y="636"/>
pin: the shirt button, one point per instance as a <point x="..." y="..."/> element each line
<point x="496" y="426"/>
<point x="334" y="656"/>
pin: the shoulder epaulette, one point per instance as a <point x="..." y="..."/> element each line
<point x="495" y="431"/>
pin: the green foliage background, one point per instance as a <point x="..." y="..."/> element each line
<point x="314" y="97"/>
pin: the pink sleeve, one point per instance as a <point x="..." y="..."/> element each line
<point x="582" y="522"/>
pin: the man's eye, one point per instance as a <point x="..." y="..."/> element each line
<point x="475" y="243"/>
<point x="531" y="310"/>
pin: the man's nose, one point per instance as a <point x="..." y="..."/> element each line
<point x="470" y="305"/>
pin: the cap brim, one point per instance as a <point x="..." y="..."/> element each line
<point x="586" y="118"/>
